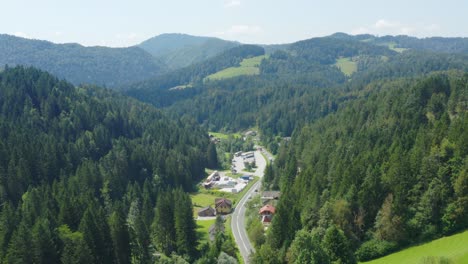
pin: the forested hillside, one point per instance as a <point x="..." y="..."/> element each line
<point x="435" y="44"/>
<point x="181" y="50"/>
<point x="387" y="169"/>
<point x="193" y="74"/>
<point x="82" y="169"/>
<point x="294" y="88"/>
<point x="81" y="65"/>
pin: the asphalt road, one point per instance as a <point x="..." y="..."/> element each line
<point x="238" y="217"/>
<point x="238" y="225"/>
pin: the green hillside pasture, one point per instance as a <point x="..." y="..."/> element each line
<point x="392" y="46"/>
<point x="346" y="65"/>
<point x="452" y="250"/>
<point x="224" y="135"/>
<point x="247" y="67"/>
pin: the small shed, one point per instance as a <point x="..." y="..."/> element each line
<point x="245" y="178"/>
<point x="207" y="211"/>
<point x="271" y="195"/>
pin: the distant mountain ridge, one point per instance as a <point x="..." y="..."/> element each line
<point x="436" y="44"/>
<point x="79" y="64"/>
<point x="181" y="50"/>
<point x="167" y="53"/>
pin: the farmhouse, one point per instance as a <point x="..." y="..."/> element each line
<point x="223" y="206"/>
<point x="266" y="213"/>
<point x="207" y="211"/>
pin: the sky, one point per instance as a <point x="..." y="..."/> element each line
<point x="121" y="23"/>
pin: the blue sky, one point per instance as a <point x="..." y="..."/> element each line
<point x="120" y="23"/>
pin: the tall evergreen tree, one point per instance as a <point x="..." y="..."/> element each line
<point x="212" y="156"/>
<point x="164" y="236"/>
<point x="119" y="236"/>
<point x="185" y="226"/>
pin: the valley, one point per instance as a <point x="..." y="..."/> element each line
<point x="335" y="149"/>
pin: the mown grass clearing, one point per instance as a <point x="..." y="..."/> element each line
<point x="247" y="67"/>
<point x="224" y="136"/>
<point x="453" y="249"/>
<point x="347" y="66"/>
<point x="203" y="228"/>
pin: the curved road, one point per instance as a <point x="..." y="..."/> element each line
<point x="238" y="217"/>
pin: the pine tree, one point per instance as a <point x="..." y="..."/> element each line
<point x="119" y="236"/>
<point x="163" y="225"/>
<point x="19" y="249"/>
<point x="44" y="243"/>
<point x="185" y="227"/>
<point x="75" y="250"/>
<point x="212" y="156"/>
<point x="96" y="234"/>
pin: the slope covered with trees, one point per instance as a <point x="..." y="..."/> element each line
<point x="193" y="74"/>
<point x="435" y="44"/>
<point x="89" y="176"/>
<point x="293" y="88"/>
<point x="387" y="169"/>
<point x="181" y="50"/>
<point x="81" y="65"/>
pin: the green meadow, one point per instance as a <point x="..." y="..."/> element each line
<point x="248" y="66"/>
<point x="447" y="250"/>
<point x="346" y="65"/>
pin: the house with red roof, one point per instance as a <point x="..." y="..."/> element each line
<point x="266" y="213"/>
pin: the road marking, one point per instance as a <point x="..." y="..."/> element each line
<point x="237" y="216"/>
<point x="237" y="213"/>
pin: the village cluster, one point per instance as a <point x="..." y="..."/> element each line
<point x="223" y="206"/>
<point x="221" y="182"/>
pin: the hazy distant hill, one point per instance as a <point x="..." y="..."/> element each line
<point x="437" y="44"/>
<point x="180" y="50"/>
<point x="79" y="64"/>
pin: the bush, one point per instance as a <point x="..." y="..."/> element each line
<point x="375" y="248"/>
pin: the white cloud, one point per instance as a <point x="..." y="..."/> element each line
<point x="231" y="3"/>
<point x="21" y="34"/>
<point x="383" y="24"/>
<point x="242" y="33"/>
<point x="129" y="36"/>
<point x="432" y="28"/>
<point x="387" y="27"/>
<point x="360" y="30"/>
<point x="237" y="30"/>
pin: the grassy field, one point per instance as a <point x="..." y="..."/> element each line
<point x="346" y="65"/>
<point x="202" y="229"/>
<point x="247" y="67"/>
<point x="452" y="249"/>
<point x="392" y="46"/>
<point x="224" y="136"/>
